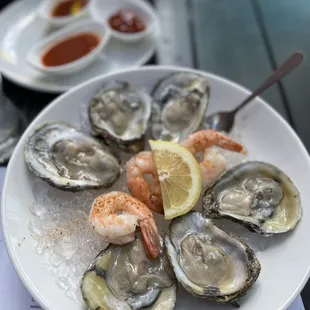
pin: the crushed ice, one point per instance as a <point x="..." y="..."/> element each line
<point x="60" y="230"/>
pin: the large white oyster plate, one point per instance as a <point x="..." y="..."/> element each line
<point x="266" y="135"/>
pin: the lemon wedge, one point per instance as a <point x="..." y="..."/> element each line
<point x="179" y="176"/>
<point x="76" y="7"/>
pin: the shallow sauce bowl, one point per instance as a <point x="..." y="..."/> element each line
<point x="141" y="8"/>
<point x="35" y="54"/>
<point x="285" y="263"/>
<point x="46" y="7"/>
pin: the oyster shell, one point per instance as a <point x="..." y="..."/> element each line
<point x="122" y="277"/>
<point x="120" y="114"/>
<point x="256" y="194"/>
<point x="180" y="103"/>
<point x="69" y="159"/>
<point x="209" y="262"/>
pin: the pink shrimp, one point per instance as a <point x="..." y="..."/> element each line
<point x="137" y="167"/>
<point x="212" y="166"/>
<point x="201" y="140"/>
<point x="115" y="217"/>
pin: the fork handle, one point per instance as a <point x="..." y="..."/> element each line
<point x="287" y="66"/>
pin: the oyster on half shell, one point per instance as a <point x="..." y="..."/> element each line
<point x="120" y="113"/>
<point x="209" y="262"/>
<point x="256" y="194"/>
<point x="180" y="103"/>
<point x="122" y="277"/>
<point x="69" y="159"/>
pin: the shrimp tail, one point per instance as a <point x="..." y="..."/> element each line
<point x="228" y="144"/>
<point x="139" y="188"/>
<point x="151" y="238"/>
<point x="203" y="139"/>
<point x="157" y="204"/>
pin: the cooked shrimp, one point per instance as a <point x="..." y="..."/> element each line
<point x="201" y="140"/>
<point x="115" y="217"/>
<point x="137" y="167"/>
<point x="213" y="165"/>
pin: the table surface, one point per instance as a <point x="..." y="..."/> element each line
<point x="242" y="40"/>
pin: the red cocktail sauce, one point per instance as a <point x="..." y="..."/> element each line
<point x="70" y="49"/>
<point x="126" y="21"/>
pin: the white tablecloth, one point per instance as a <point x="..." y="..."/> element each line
<point x="14" y="296"/>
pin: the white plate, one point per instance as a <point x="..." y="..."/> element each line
<point x="286" y="262"/>
<point x="21" y="28"/>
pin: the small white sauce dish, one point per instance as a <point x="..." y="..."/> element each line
<point x="46" y="8"/>
<point x="102" y="10"/>
<point x="36" y="53"/>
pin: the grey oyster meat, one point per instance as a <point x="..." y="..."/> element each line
<point x="120" y="114"/>
<point x="209" y="262"/>
<point x="122" y="277"/>
<point x="180" y="103"/>
<point x="257" y="195"/>
<point x="69" y="159"/>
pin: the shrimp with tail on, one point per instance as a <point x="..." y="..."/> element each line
<point x="213" y="164"/>
<point x="115" y="217"/>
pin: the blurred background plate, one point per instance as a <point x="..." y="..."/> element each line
<point x="21" y="28"/>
